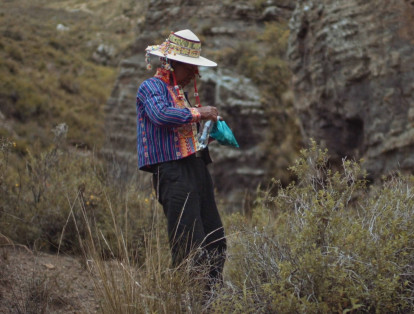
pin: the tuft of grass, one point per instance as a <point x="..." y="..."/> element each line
<point x="155" y="287"/>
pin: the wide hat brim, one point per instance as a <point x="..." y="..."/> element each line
<point x="201" y="61"/>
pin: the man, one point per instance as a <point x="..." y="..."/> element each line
<point x="167" y="132"/>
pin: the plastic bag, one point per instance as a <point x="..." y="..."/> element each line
<point x="223" y="134"/>
<point x="204" y="135"/>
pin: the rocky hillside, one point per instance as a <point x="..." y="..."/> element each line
<point x="59" y="66"/>
<point x="246" y="38"/>
<point x="353" y="73"/>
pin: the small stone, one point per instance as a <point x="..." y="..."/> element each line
<point x="49" y="266"/>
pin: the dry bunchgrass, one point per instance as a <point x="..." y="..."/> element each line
<point x="153" y="287"/>
<point x="125" y="286"/>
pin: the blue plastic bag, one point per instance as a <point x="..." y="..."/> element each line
<point x="223" y="134"/>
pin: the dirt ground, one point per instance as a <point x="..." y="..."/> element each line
<point x="34" y="282"/>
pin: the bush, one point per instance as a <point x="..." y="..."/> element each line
<point x="328" y="243"/>
<point x="53" y="198"/>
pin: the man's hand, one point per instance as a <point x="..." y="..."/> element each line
<point x="208" y="113"/>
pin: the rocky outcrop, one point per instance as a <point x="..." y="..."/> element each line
<point x="353" y="74"/>
<point x="221" y="27"/>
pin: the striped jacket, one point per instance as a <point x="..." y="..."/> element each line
<point x="166" y="125"/>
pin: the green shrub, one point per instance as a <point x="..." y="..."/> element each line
<point x="327" y="243"/>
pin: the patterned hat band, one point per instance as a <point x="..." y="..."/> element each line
<point x="186" y="43"/>
<point x="183" y="46"/>
<point x="171" y="48"/>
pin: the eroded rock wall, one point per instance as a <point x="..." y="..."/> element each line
<point x="353" y="79"/>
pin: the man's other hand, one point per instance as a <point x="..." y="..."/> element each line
<point x="208" y="113"/>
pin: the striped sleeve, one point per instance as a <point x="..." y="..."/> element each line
<point x="153" y="94"/>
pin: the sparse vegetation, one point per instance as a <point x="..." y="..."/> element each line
<point x="326" y="243"/>
<point x="50" y="203"/>
<point x="50" y="71"/>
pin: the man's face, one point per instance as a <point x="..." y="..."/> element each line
<point x="184" y="72"/>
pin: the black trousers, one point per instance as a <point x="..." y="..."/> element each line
<point x="185" y="190"/>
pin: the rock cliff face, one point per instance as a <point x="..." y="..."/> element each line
<point x="220" y="26"/>
<point x="353" y="74"/>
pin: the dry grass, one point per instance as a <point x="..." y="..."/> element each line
<point x="127" y="286"/>
<point x="327" y="243"/>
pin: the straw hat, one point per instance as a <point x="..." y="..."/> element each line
<point x="183" y="46"/>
